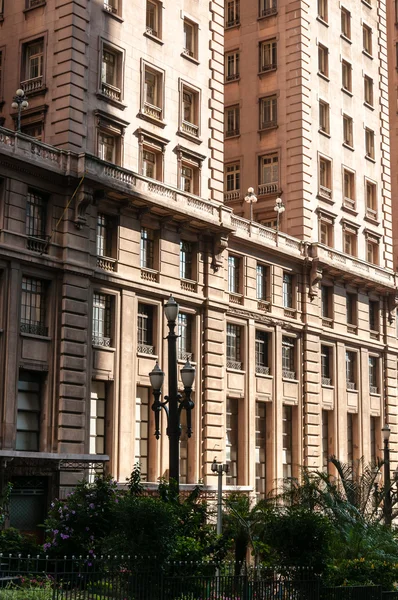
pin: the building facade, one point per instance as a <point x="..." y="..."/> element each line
<point x="113" y="198"/>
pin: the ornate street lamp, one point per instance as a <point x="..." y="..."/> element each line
<point x="172" y="404"/>
<point x="279" y="208"/>
<point x="251" y="197"/>
<point x="20" y="101"/>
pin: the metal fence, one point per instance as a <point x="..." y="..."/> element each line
<point x="106" y="578"/>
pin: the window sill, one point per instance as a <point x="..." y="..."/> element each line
<point x="189" y="285"/>
<point x="371" y="219"/>
<point x="322" y="76"/>
<point x="149" y="119"/>
<point x="149" y="275"/>
<point x="374" y="335"/>
<point x="370" y="158"/>
<point x="366" y="53"/>
<point x="231" y="137"/>
<point x="113" y="15"/>
<point x="187" y="136"/>
<point x="192" y="59"/>
<point x="327" y="322"/>
<point x="36" y="336"/>
<point x="291" y="313"/>
<point x="264" y="376"/>
<point x="265" y="129"/>
<point x="233" y="80"/>
<point x="325" y="133"/>
<point x="368" y="4"/>
<point x="144" y="355"/>
<point x="345" y="145"/>
<point x="230" y="370"/>
<point x="376" y="394"/>
<point x="352" y="329"/>
<point x="328" y="199"/>
<point x="370" y="106"/>
<point x="104" y="348"/>
<point x="345" y="38"/>
<point x="320" y="20"/>
<point x="271" y="14"/>
<point x="328" y="387"/>
<point x="290" y="380"/>
<point x="272" y="69"/>
<point x="153" y="38"/>
<point x="115" y="103"/>
<point x="230" y="27"/>
<point x="346" y="91"/>
<point x="355" y="391"/>
<point x="349" y="209"/>
<point x="30" y="8"/>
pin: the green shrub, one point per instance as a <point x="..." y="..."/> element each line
<point x="360" y="571"/>
<point x="13" y="542"/>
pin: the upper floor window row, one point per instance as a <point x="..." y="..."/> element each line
<point x="267" y="8"/>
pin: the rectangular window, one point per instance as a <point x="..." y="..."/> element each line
<point x="346" y="76"/>
<point x="268" y="55"/>
<point x="268" y="112"/>
<point x="185" y="339"/>
<point x="349" y="188"/>
<point x="372" y="252"/>
<point x="153" y="93"/>
<point x="350" y="438"/>
<point x="104" y="235"/>
<point x="326" y="301"/>
<point x="373" y="375"/>
<point x="107" y="146"/>
<point x="287" y="291"/>
<point x="234" y="274"/>
<point x="370" y="143"/>
<point x="232" y="126"/>
<point x="232" y="13"/>
<point x="28" y="412"/>
<point x="231" y="442"/>
<point x="371" y="199"/>
<point x="324" y="119"/>
<point x="232" y="180"/>
<point x="190" y="39"/>
<point x="367" y="39"/>
<point x="142" y="437"/>
<point x="346" y="23"/>
<point x="268" y="8"/>
<point x="326" y="371"/>
<point x="288" y="357"/>
<point x="373" y="315"/>
<point x="34" y="65"/>
<point x="351" y="308"/>
<point x="323" y="60"/>
<point x="33" y="312"/>
<point x="349" y="242"/>
<point x="325" y="177"/>
<point x="153" y="18"/>
<point x="234" y="360"/>
<point x="351" y="370"/>
<point x="287" y="441"/>
<point x="261" y="442"/>
<point x="145" y="329"/>
<point x="269" y="174"/>
<point x="368" y="90"/>
<point x="36" y="215"/>
<point x="111" y="76"/>
<point x="147" y="247"/>
<point x="189" y="179"/>
<point x="97" y="417"/>
<point x="373" y="440"/>
<point x="323" y="10"/>
<point x="190" y="111"/>
<point x="34" y="130"/>
<point x="102" y="319"/>
<point x="232" y="66"/>
<point x="348" y="131"/>
<point x="326" y="231"/>
<point x="262" y="362"/>
<point x="261" y="282"/>
<point x="149" y="164"/>
<point x="111" y="6"/>
<point x="186" y="255"/>
<point x="325" y="441"/>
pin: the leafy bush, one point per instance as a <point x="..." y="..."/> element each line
<point x="362" y="572"/>
<point x="13" y="542"/>
<point x="28" y="589"/>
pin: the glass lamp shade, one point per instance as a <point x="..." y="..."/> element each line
<point x="386" y="432"/>
<point x="171" y="309"/>
<point x="214" y="466"/>
<point x="188" y="374"/>
<point x="14" y="105"/>
<point x="19" y="92"/>
<point x="377" y="478"/>
<point x="156" y="377"/>
<point x="24" y="104"/>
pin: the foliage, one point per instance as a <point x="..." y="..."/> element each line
<point x="4" y="504"/>
<point x="13" y="542"/>
<point x="29" y="588"/>
<point x="134" y="484"/>
<point x="362" y="572"/>
<point x="78" y="524"/>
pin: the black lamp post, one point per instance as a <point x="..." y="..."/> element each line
<point x="173" y="405"/>
<point x="20" y="101"/>
<point x="220" y="469"/>
<point x="387" y="506"/>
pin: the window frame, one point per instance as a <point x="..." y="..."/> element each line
<point x="325" y="177"/>
<point x="323" y="10"/>
<point x="234" y="346"/>
<point x="29" y="84"/>
<point x="351" y="371"/>
<point x="154" y="31"/>
<point x="190" y="128"/>
<point x="323" y="61"/>
<point x="346" y="31"/>
<point x="289" y="358"/>
<point x="349" y="188"/>
<point x="232" y="117"/>
<point x="33" y="317"/>
<point x="102" y="321"/>
<point x="112" y="92"/>
<point x="369" y="144"/>
<point x="367" y="40"/>
<point x="348" y="131"/>
<point x="268" y="104"/>
<point x="271" y="47"/>
<point x="371" y="207"/>
<point x="267" y="172"/>
<point x="368" y="91"/>
<point x="232" y="74"/>
<point x="324" y="117"/>
<point x="145" y="328"/>
<point x="262" y="357"/>
<point x="346" y="76"/>
<point x="152" y="111"/>
<point x="326" y="365"/>
<point x="235" y="13"/>
<point x="191" y="52"/>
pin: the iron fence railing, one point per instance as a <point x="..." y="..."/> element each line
<point x="143" y="578"/>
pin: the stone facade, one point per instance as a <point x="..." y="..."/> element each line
<point x="122" y="203"/>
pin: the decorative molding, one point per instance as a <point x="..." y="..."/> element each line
<point x="83" y="200"/>
<point x="315" y="278"/>
<point x="247" y="314"/>
<point x="392" y="306"/>
<point x="220" y="243"/>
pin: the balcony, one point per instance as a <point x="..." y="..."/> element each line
<point x="188" y="52"/>
<point x="262" y="370"/>
<point x="32" y="85"/>
<point x="189" y="286"/>
<point x="235" y="298"/>
<point x="99" y="340"/>
<point x="106" y="264"/>
<point x="153" y="111"/>
<point x="325" y="192"/>
<point x="33" y="329"/>
<point x="37" y="245"/>
<point x="351" y="386"/>
<point x="111" y="92"/>
<point x="145" y="349"/>
<point x="264" y="189"/>
<point x="150" y="275"/>
<point x="264" y="305"/>
<point x="230" y="196"/>
<point x="289" y="312"/>
<point x="373" y="389"/>
<point x="190" y="128"/>
<point x="234" y="364"/>
<point x="326" y="381"/>
<point x="185" y="356"/>
<point x="288" y="374"/>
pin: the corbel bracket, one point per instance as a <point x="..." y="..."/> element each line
<point x="315" y="278"/>
<point x="220" y="243"/>
<point x="83" y="200"/>
<point x="392" y="306"/>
